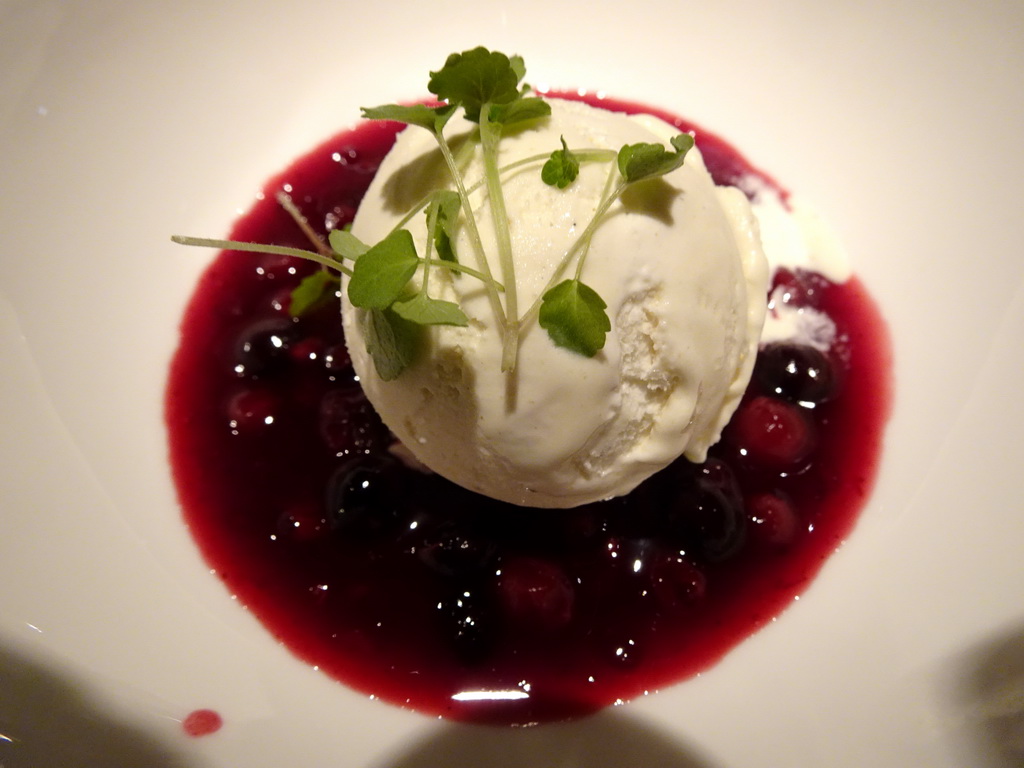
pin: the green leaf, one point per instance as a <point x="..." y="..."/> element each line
<point x="423" y="310"/>
<point x="574" y="317"/>
<point x="518" y="66"/>
<point x="380" y="275"/>
<point x="347" y="245"/>
<point x="473" y="78"/>
<point x="390" y="340"/>
<point x="448" y="205"/>
<point x="644" y="161"/>
<point x="561" y="169"/>
<point x="313" y="292"/>
<point x="519" y="111"/>
<point x="431" y="118"/>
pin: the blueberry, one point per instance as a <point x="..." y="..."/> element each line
<point x="797" y="372"/>
<point x="337" y="360"/>
<point x="453" y="551"/>
<point x="707" y="517"/>
<point x="535" y="594"/>
<point x="262" y="348"/>
<point x="720" y="517"/>
<point x="364" y="497"/>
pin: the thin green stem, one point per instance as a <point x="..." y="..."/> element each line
<point x="581" y="242"/>
<point x="606" y="194"/>
<point x="277" y="250"/>
<point x="490" y="134"/>
<point x="474" y="232"/>
<point x="455" y="266"/>
<point x="286" y="202"/>
<point x="429" y="248"/>
<point x="583" y="155"/>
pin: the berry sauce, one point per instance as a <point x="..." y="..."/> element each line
<point x="202" y="722"/>
<point x="415" y="591"/>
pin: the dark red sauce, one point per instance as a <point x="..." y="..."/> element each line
<point x="419" y="593"/>
<point x="202" y="722"/>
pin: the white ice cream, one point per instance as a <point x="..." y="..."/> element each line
<point x="677" y="260"/>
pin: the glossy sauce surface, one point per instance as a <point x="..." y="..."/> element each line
<point x="424" y="595"/>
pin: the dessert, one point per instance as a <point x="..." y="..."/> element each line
<point x="416" y="591"/>
<point x="679" y="265"/>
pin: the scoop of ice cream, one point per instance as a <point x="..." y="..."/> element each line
<point x="680" y="265"/>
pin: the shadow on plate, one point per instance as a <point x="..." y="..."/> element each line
<point x="47" y="721"/>
<point x="989" y="697"/>
<point x="609" y="739"/>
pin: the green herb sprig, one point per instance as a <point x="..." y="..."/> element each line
<point x="395" y="307"/>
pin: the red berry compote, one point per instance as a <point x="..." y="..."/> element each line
<point x="413" y="590"/>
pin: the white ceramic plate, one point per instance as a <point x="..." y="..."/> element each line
<point x="122" y="123"/>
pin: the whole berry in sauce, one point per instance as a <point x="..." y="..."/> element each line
<point x="772" y="433"/>
<point x="796" y="372"/>
<point x="535" y="593"/>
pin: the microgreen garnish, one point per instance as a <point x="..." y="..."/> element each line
<point x="427" y="311"/>
<point x="574" y="316"/>
<point x="561" y="169"/>
<point x="391" y="340"/>
<point x="394" y="307"/>
<point x="476" y="78"/>
<point x="518" y="111"/>
<point x="380" y="275"/>
<point x="315" y="290"/>
<point x="442" y="216"/>
<point x="645" y="161"/>
<point x="431" y="118"/>
<point x="347" y="245"/>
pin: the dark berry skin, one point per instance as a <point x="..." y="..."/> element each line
<point x="414" y="590"/>
<point x="336" y="359"/>
<point x="263" y="348"/>
<point x="676" y="582"/>
<point x="796" y="372"/>
<point x="456" y="552"/>
<point x="535" y="594"/>
<point x="706" y="515"/>
<point x="719" y="514"/>
<point x="252" y="410"/>
<point x="348" y="423"/>
<point x="363" y="499"/>
<point x="772" y="433"/>
<point x="772" y="520"/>
<point x="801" y="288"/>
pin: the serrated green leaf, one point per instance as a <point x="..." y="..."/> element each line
<point x="423" y="310"/>
<point x="381" y="274"/>
<point x="476" y="77"/>
<point x="312" y="292"/>
<point x="391" y="341"/>
<point x="518" y="111"/>
<point x="518" y="66"/>
<point x="346" y="245"/>
<point x="574" y="316"/>
<point x="645" y="161"/>
<point x="561" y="169"/>
<point x="683" y="143"/>
<point x="431" y="118"/>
